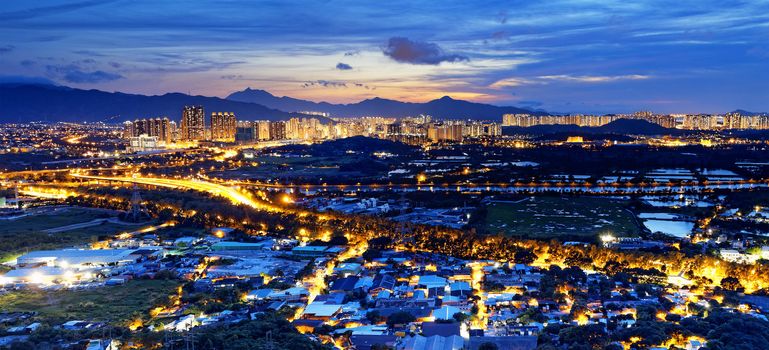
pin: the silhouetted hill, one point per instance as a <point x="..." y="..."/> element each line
<point x="356" y="144"/>
<point x="40" y="102"/>
<point x="620" y="126"/>
<point x="443" y="108"/>
<point x="747" y="113"/>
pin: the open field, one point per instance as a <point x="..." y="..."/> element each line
<point x="28" y="233"/>
<point x="303" y="167"/>
<point x="569" y="218"/>
<point x="114" y="304"/>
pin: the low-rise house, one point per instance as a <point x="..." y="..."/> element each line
<point x="435" y="342"/>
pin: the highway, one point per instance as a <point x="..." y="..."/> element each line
<point x="233" y="194"/>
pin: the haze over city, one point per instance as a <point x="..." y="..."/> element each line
<point x="560" y="56"/>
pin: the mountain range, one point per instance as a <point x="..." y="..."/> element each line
<point x="42" y="102"/>
<point x="23" y="101"/>
<point x="442" y="108"/>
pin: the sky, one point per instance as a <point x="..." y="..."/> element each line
<point x="568" y="56"/>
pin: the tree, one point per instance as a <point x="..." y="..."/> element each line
<point x="732" y="284"/>
<point x="524" y="257"/>
<point x="461" y="317"/>
<point x="373" y="316"/>
<point x="592" y="335"/>
<point x="488" y="346"/>
<point x="400" y="317"/>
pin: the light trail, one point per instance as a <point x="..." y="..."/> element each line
<point x="234" y="195"/>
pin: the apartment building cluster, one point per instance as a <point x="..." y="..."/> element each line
<point x="155" y="133"/>
<point x="678" y="121"/>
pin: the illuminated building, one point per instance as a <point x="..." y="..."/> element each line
<point x="278" y="130"/>
<point x="263" y="130"/>
<point x="446" y="132"/>
<point x="575" y="139"/>
<point x="193" y="123"/>
<point x="292" y="128"/>
<point x="143" y="143"/>
<point x="245" y="132"/>
<point x="223" y="126"/>
<point x="158" y="127"/>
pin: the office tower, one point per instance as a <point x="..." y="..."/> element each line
<point x="193" y="123"/>
<point x="223" y="126"/>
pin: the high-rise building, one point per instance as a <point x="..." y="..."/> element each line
<point x="158" y="127"/>
<point x="193" y="123"/>
<point x="263" y="130"/>
<point x="223" y="126"/>
<point x="277" y="130"/>
<point x="293" y="129"/>
<point x="245" y="132"/>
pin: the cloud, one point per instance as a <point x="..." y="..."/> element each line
<point x="6" y="49"/>
<point x="336" y="84"/>
<point x="512" y="82"/>
<point x="343" y="66"/>
<point x="404" y="50"/>
<point x="74" y="74"/>
<point x="325" y="83"/>
<point x="27" y="63"/>
<point x="232" y="77"/>
<point x="49" y="10"/>
<point x="594" y="78"/>
<point x="500" y="35"/>
<point x="545" y="79"/>
<point x="502" y="17"/>
<point x="530" y="103"/>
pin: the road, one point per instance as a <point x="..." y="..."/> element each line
<point x="233" y="194"/>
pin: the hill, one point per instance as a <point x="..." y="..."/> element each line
<point x="620" y="126"/>
<point x="41" y="102"/>
<point x="747" y="113"/>
<point x="443" y="108"/>
<point x="356" y="144"/>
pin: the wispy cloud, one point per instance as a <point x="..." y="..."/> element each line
<point x="74" y="74"/>
<point x="325" y="83"/>
<point x="547" y="79"/>
<point x="594" y="78"/>
<point x="50" y="10"/>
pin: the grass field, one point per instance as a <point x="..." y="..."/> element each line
<point x="295" y="167"/>
<point x="581" y="218"/>
<point x="115" y="304"/>
<point x="27" y="233"/>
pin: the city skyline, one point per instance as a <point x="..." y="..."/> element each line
<point x="565" y="57"/>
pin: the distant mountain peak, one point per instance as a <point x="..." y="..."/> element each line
<point x="445" y="107"/>
<point x="22" y="102"/>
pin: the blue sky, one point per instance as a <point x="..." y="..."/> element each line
<point x="563" y="56"/>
